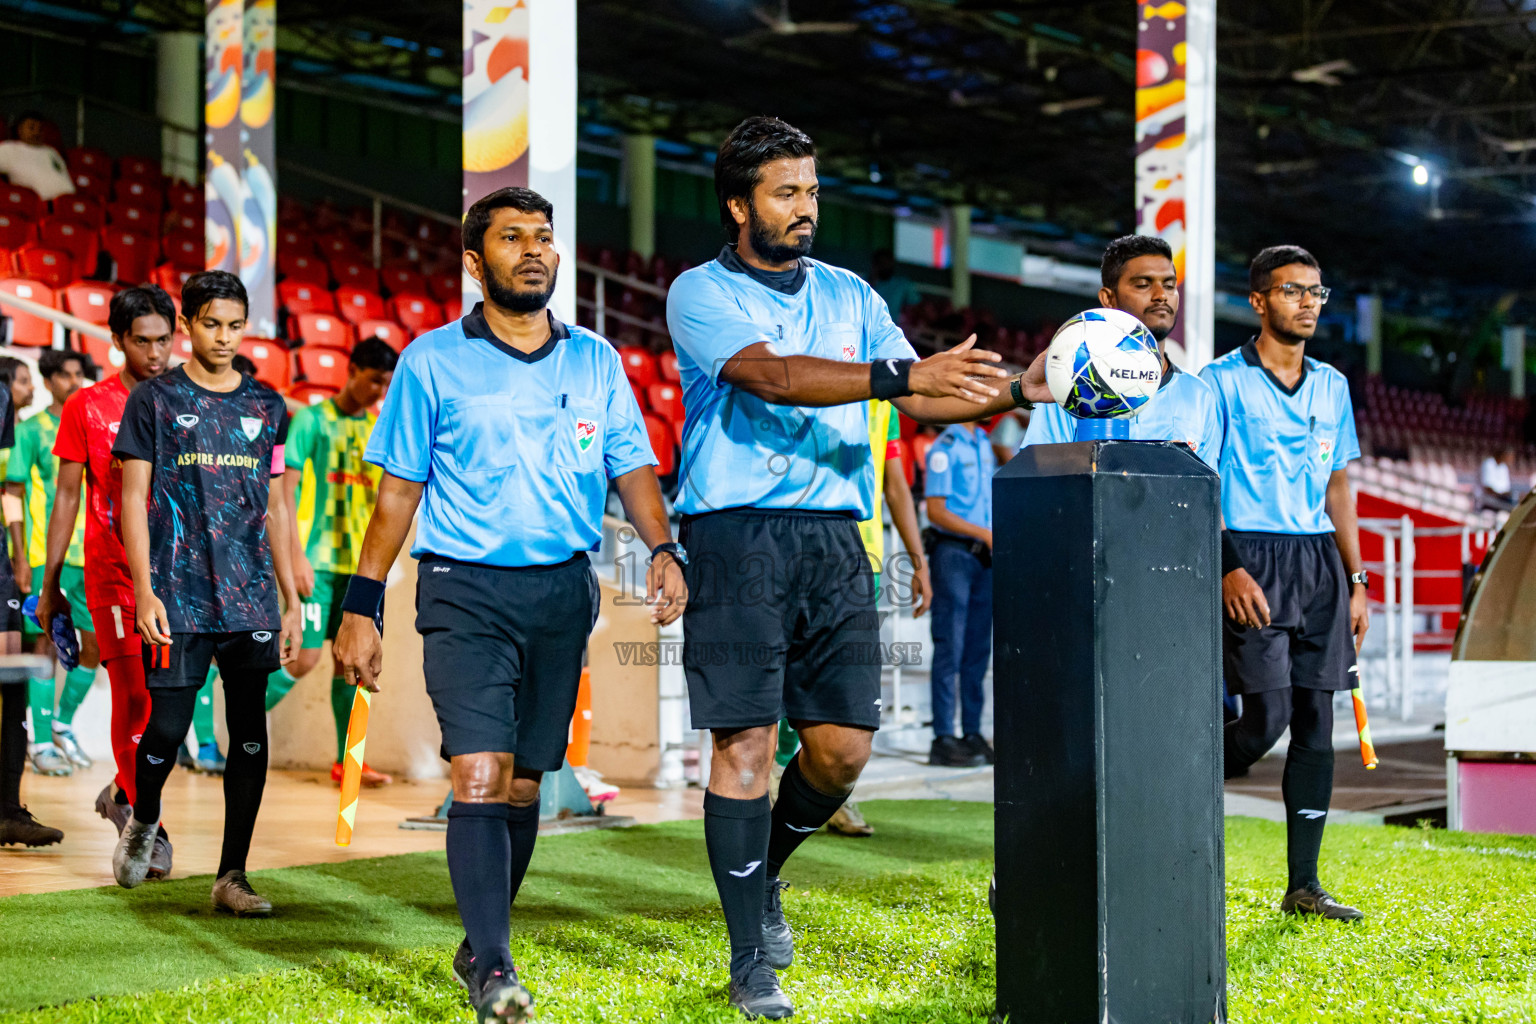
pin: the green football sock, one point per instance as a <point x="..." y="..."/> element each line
<point x="202" y="711"/>
<point x="342" y="696"/>
<point x="40" y="696"/>
<point x="77" y="683"/>
<point x="789" y="742"/>
<point x="278" y="685"/>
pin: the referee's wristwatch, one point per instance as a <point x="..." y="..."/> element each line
<point x="1016" y="389"/>
<point x="671" y="548"/>
<point x="1362" y="577"/>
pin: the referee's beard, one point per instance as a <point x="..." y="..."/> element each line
<point x="514" y="299"/>
<point x="773" y="249"/>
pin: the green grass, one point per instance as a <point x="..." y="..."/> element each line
<point x="617" y="926"/>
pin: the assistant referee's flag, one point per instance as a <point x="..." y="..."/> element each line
<point x="352" y="765"/>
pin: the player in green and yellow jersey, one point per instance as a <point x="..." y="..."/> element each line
<point x="29" y="475"/>
<point x="332" y="491"/>
<point x="891" y="485"/>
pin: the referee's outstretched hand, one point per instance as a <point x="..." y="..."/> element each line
<point x="1244" y="599"/>
<point x="964" y="371"/>
<point x="665" y="590"/>
<point x="359" y="650"/>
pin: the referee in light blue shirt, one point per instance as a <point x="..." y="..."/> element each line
<point x="1292" y="582"/>
<point x="779" y="356"/>
<point x="958" y="489"/>
<point x="505" y="428"/>
<point x="1138" y="276"/>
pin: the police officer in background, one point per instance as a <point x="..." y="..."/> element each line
<point x="959" y="499"/>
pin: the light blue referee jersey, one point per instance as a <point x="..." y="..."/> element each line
<point x="1280" y="445"/>
<point x="739" y="450"/>
<point x="959" y="470"/>
<point x="515" y="448"/>
<point x="1183" y="409"/>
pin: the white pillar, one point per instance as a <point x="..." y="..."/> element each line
<point x="179" y="102"/>
<point x="640" y="192"/>
<point x="552" y="132"/>
<point x="1368" y="325"/>
<point x="1514" y="358"/>
<point x="960" y="254"/>
<point x="1199" y="299"/>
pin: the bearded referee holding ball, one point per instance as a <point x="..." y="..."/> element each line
<point x="779" y="356"/>
<point x="505" y="427"/>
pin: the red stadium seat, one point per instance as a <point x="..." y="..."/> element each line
<point x="89" y="300"/>
<point x="186" y="198"/>
<point x="139" y="168"/>
<point x="416" y="313"/>
<point x="302" y="297"/>
<point x="82" y="210"/>
<point x="446" y="286"/>
<point x="76" y="239"/>
<point x="132" y="252"/>
<point x="666" y="366"/>
<point x="296" y="240"/>
<point x="15" y="232"/>
<point x="27" y="329"/>
<point x="392" y="333"/>
<point x="20" y="201"/>
<point x="53" y="267"/>
<point x="100" y="352"/>
<point x="185" y="252"/>
<point x="134" y="216"/>
<point x="338" y="246"/>
<point x="403" y="279"/>
<point x="355" y="273"/>
<point x="359" y="304"/>
<point x="171" y="278"/>
<point x="310" y="394"/>
<point x="325" y="330"/>
<point x="453" y="308"/>
<point x="639" y="365"/>
<point x="662" y="444"/>
<point x="322" y="366"/>
<point x="93" y="183"/>
<point x="271" y="360"/>
<point x="144" y="193"/>
<point x="303" y="267"/>
<point x="84" y="158"/>
<point x="665" y="400"/>
<point x="180" y="222"/>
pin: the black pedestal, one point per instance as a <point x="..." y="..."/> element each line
<point x="1110" y="874"/>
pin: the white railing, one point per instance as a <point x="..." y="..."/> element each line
<point x="63" y="319"/>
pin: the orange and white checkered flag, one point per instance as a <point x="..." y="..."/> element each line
<point x="352" y="765"/>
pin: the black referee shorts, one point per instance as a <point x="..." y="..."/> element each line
<point x="1308" y="642"/>
<point x="502" y="651"/>
<point x="781" y="620"/>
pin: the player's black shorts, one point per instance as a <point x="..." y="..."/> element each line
<point x="1308" y="641"/>
<point x="502" y="650"/>
<point x="10" y="594"/>
<point x="185" y="662"/>
<point x="781" y="620"/>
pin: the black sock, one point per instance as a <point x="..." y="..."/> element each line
<point x="170" y="716"/>
<point x="479" y="865"/>
<point x="245" y="768"/>
<point x="522" y="833"/>
<point x="800" y="810"/>
<point x="13" y="745"/>
<point x="736" y="836"/>
<point x="1307" y="786"/>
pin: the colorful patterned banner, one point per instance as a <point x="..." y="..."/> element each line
<point x="496" y="80"/>
<point x="222" y="157"/>
<point x="258" y="169"/>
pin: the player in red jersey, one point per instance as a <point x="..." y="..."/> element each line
<point x="141" y="321"/>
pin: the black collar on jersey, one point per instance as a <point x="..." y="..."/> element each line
<point x="787" y="281"/>
<point x="1251" y="357"/>
<point x="1168" y="373"/>
<point x="476" y="327"/>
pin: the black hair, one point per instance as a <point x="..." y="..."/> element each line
<point x="203" y="288"/>
<point x="8" y="367"/>
<point x="131" y="303"/>
<point x="27" y="115"/>
<point x="1126" y="248"/>
<point x="478" y="220"/>
<point x="739" y="164"/>
<point x="374" y="354"/>
<point x="52" y="360"/>
<point x="1272" y="259"/>
<point x="243" y="364"/>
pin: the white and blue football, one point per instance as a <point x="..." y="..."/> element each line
<point x="1103" y="364"/>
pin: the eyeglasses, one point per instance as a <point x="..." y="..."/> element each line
<point x="1294" y="292"/>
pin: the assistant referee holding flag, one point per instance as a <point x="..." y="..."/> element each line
<point x="506" y="427"/>
<point x="779" y="355"/>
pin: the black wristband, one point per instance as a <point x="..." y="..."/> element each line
<point x="888" y="378"/>
<point x="1231" y="561"/>
<point x="1016" y="388"/>
<point x="364" y="597"/>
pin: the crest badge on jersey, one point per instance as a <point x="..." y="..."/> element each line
<point x="849" y="351"/>
<point x="586" y="431"/>
<point x="1324" y="450"/>
<point x="252" y="427"/>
